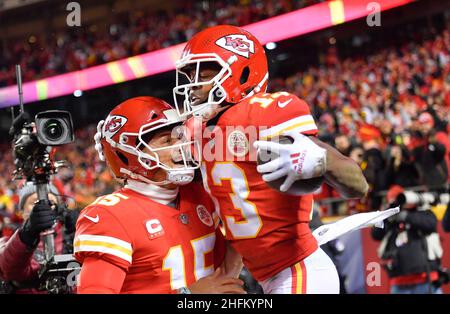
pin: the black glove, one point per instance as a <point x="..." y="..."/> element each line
<point x="42" y="217"/>
<point x="69" y="218"/>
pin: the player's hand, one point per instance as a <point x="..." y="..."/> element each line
<point x="303" y="159"/>
<point x="97" y="139"/>
<point x="217" y="284"/>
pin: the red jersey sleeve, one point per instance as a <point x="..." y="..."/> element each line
<point x="281" y="112"/>
<point x="100" y="234"/>
<point x="100" y="276"/>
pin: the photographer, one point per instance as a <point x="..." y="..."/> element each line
<point x="410" y="247"/>
<point x="400" y="168"/>
<point x="21" y="255"/>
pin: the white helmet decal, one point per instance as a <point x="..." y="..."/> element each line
<point x="238" y="44"/>
<point x="112" y="125"/>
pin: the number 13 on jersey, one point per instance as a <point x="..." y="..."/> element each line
<point x="250" y="224"/>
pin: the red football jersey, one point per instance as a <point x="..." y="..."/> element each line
<point x="160" y="247"/>
<point x="268" y="228"/>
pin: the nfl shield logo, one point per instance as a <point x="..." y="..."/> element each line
<point x="184" y="219"/>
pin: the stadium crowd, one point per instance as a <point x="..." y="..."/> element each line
<point x="389" y="111"/>
<point x="133" y="33"/>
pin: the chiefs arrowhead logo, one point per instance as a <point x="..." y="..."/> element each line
<point x="113" y="124"/>
<point x="238" y="44"/>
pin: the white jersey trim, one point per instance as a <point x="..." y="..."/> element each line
<point x="103" y="244"/>
<point x="301" y="124"/>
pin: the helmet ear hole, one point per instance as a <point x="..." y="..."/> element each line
<point x="122" y="157"/>
<point x="218" y="94"/>
<point x="244" y="76"/>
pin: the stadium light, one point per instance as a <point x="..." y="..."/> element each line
<point x="271" y="46"/>
<point x="78" y="93"/>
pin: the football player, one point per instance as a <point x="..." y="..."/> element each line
<point x="157" y="234"/>
<point x="222" y="77"/>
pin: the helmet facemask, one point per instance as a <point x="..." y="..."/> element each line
<point x="181" y="153"/>
<point x="216" y="96"/>
<point x="150" y="157"/>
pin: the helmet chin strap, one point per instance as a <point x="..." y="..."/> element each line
<point x="157" y="191"/>
<point x="209" y="112"/>
<point x="178" y="177"/>
<point x="181" y="177"/>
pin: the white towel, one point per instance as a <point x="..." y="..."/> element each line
<point x="326" y="233"/>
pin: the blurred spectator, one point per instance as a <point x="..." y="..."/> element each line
<point x="446" y="219"/>
<point x="401" y="169"/>
<point x="342" y="144"/>
<point x="388" y="136"/>
<point x="440" y="125"/>
<point x="357" y="154"/>
<point x="429" y="155"/>
<point x="374" y="165"/>
<point x="21" y="255"/>
<point x="327" y="128"/>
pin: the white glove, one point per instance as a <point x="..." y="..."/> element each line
<point x="303" y="159"/>
<point x="97" y="139"/>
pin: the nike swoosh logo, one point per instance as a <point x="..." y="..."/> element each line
<point x="284" y="103"/>
<point x="94" y="220"/>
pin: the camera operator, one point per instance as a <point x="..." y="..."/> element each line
<point x="410" y="247"/>
<point x="21" y="255"/>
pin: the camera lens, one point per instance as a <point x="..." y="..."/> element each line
<point x="53" y="129"/>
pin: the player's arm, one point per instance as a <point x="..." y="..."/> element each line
<point x="225" y="257"/>
<point x="104" y="248"/>
<point x="232" y="265"/>
<point x="342" y="173"/>
<point x="307" y="157"/>
<point x="100" y="276"/>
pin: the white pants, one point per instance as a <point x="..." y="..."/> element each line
<point x="316" y="274"/>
